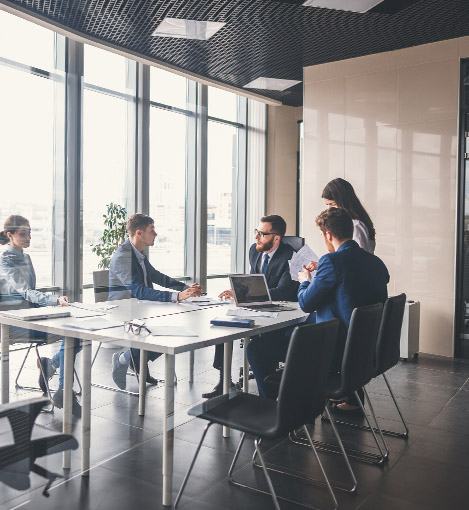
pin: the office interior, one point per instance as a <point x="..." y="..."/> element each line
<point x="95" y="111"/>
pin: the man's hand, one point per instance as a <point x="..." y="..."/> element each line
<point x="193" y="291"/>
<point x="226" y="294"/>
<point x="62" y="300"/>
<point x="304" y="275"/>
<point x="312" y="266"/>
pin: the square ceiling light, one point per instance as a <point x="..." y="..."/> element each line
<point x="270" y="84"/>
<point x="187" y="28"/>
<point x="344" y="5"/>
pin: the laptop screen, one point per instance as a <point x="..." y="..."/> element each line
<point x="249" y="289"/>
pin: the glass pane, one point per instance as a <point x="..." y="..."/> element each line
<point x="27" y="176"/>
<point x="167" y="88"/>
<point x="104" y="167"/>
<point x="111" y="76"/>
<point x="16" y="37"/>
<point x="168" y="189"/>
<point x="222" y="165"/>
<point x="222" y="104"/>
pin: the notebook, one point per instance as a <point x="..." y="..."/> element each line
<point x="251" y="291"/>
<point x="34" y="314"/>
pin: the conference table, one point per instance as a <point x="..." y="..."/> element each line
<point x="189" y="316"/>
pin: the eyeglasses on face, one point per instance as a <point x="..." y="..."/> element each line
<point x="263" y="234"/>
<point x="135" y="327"/>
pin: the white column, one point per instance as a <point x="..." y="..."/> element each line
<point x="227" y="352"/>
<point x="86" y="407"/>
<point x="67" y="396"/>
<point x="5" y="363"/>
<point x="168" y="431"/>
<point x="142" y="382"/>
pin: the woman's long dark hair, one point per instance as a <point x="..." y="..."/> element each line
<point x="342" y="193"/>
<point x="12" y="224"/>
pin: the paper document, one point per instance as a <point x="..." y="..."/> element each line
<point x="79" y="313"/>
<point x="243" y="312"/>
<point x="210" y="302"/>
<point x="171" y="331"/>
<point x="94" y="307"/>
<point x="301" y="258"/>
<point x="93" y="324"/>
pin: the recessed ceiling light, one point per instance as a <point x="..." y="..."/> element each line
<point x="271" y="84"/>
<point x="187" y="28"/>
<point x="344" y="5"/>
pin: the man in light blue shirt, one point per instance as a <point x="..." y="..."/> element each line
<point x="132" y="275"/>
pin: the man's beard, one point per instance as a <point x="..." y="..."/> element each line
<point x="266" y="246"/>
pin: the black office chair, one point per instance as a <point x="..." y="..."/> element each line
<point x="295" y="242"/>
<point x="388" y="352"/>
<point x="358" y="368"/>
<point x="301" y="400"/>
<point x="19" y="459"/>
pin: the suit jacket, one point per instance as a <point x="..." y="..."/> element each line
<point x="345" y="279"/>
<point x="281" y="286"/>
<point x="126" y="278"/>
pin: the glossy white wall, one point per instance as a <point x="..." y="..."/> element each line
<point x="388" y="123"/>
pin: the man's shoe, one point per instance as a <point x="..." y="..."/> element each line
<point x="119" y="371"/>
<point x="58" y="401"/>
<point x="217" y="390"/>
<point x="48" y="370"/>
<point x="136" y="369"/>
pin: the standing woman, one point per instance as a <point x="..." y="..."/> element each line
<point x="18" y="290"/>
<point x="340" y="193"/>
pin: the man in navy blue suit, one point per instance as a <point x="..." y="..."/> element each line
<point x="132" y="276"/>
<point x="270" y="256"/>
<point x="346" y="277"/>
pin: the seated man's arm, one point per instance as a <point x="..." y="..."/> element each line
<point x="164" y="280"/>
<point x="121" y="278"/>
<point x="312" y="294"/>
<point x="286" y="289"/>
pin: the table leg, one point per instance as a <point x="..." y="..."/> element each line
<point x="86" y="407"/>
<point x="5" y="363"/>
<point x="67" y="397"/>
<point x="227" y="352"/>
<point x="168" y="431"/>
<point x="142" y="382"/>
<point x="246" y="366"/>
<point x="191" y="367"/>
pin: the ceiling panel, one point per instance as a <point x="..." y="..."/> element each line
<point x="273" y="39"/>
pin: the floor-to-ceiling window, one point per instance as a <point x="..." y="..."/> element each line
<point x="29" y="97"/>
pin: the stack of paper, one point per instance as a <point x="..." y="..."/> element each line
<point x="243" y="312"/>
<point x="301" y="258"/>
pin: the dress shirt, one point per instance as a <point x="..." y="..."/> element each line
<point x="18" y="280"/>
<point x="141" y="260"/>
<point x="362" y="237"/>
<point x="261" y="260"/>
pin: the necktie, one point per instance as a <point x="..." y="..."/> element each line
<point x="265" y="263"/>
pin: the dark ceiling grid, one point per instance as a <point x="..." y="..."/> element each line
<point x="261" y="37"/>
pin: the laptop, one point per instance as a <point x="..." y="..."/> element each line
<point x="34" y="314"/>
<point x="251" y="291"/>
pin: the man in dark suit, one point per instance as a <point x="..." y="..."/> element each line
<point x="132" y="275"/>
<point x="346" y="277"/>
<point x="270" y="256"/>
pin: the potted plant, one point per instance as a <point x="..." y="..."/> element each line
<point x="113" y="236"/>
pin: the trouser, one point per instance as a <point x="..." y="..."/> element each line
<point x="58" y="359"/>
<point x="264" y="352"/>
<point x="151" y="356"/>
<point x="218" y="359"/>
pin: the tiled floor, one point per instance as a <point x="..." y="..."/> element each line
<point x="428" y="471"/>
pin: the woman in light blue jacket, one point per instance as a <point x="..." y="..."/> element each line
<point x="18" y="290"/>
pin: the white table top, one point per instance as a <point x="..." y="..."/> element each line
<point x="167" y="314"/>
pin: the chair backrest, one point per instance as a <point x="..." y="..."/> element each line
<point x="358" y="363"/>
<point x="302" y="392"/>
<point x="101" y="285"/>
<point x="295" y="242"/>
<point x="389" y="338"/>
